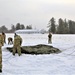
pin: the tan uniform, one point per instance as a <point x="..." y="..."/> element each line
<point x="17" y="45"/>
<point x="1" y="44"/>
<point x="4" y="37"/>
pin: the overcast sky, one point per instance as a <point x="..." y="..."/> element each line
<point x="35" y="12"/>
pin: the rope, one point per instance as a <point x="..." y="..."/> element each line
<point x="68" y="48"/>
<point x="6" y="59"/>
<point x="70" y="54"/>
<point x="10" y="56"/>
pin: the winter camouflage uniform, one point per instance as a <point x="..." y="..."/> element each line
<point x="1" y="44"/>
<point x="50" y="38"/>
<point x="17" y="45"/>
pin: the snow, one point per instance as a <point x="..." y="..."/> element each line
<point x="27" y="31"/>
<point x="46" y="64"/>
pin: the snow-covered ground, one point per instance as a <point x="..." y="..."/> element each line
<point x="47" y="64"/>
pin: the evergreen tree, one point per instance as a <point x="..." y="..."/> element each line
<point x="66" y="27"/>
<point x="51" y="25"/>
<point x="74" y="27"/>
<point x="29" y="27"/>
<point x="17" y="26"/>
<point x="3" y="29"/>
<point x="22" y="26"/>
<point x="13" y="28"/>
<point x="60" y="26"/>
<point x="71" y="27"/>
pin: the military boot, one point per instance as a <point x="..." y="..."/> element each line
<point x="14" y="54"/>
<point x="0" y="70"/>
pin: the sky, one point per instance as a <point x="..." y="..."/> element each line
<point x="35" y="12"/>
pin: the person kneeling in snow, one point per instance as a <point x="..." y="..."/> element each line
<point x="10" y="40"/>
<point x="17" y="44"/>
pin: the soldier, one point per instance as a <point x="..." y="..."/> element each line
<point x="50" y="38"/>
<point x="4" y="37"/>
<point x="10" y="40"/>
<point x="1" y="44"/>
<point x="17" y="44"/>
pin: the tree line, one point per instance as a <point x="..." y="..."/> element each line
<point x="63" y="26"/>
<point x="13" y="28"/>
